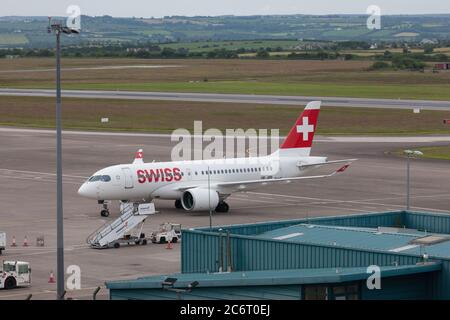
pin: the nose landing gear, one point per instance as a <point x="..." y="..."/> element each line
<point x="105" y="210"/>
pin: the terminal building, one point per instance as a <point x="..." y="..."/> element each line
<point x="339" y="257"/>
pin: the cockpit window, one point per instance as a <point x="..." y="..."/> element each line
<point x="103" y="178"/>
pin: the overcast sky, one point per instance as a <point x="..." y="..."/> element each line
<point x="158" y="8"/>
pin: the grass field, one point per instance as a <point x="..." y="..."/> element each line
<point x="204" y="46"/>
<point x="442" y="153"/>
<point x="322" y="78"/>
<point x="12" y="39"/>
<point x="165" y="116"/>
<point x="431" y="92"/>
<point x="439" y="153"/>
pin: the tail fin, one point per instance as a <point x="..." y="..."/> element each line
<point x="139" y="157"/>
<point x="300" y="138"/>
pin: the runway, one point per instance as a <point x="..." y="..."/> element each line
<point x="369" y="139"/>
<point x="376" y="182"/>
<point x="234" y="98"/>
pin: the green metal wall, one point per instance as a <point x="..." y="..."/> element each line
<point x="373" y="220"/>
<point x="200" y="249"/>
<point x="290" y="292"/>
<point x="413" y="287"/>
<point x="200" y="253"/>
<point x="404" y="287"/>
<point x="431" y="222"/>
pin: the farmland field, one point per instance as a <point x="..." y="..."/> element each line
<point x="283" y="77"/>
<point x="12" y="39"/>
<point x="204" y="46"/>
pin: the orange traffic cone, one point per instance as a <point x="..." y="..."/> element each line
<point x="14" y="242"/>
<point x="169" y="245"/>
<point x="25" y="242"/>
<point x="51" y="279"/>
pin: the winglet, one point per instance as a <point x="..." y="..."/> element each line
<point x="139" y="157"/>
<point x="343" y="168"/>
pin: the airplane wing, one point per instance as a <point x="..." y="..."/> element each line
<point x="242" y="185"/>
<point x="235" y="186"/>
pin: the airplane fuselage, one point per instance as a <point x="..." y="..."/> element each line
<point x="205" y="184"/>
<point x="167" y="180"/>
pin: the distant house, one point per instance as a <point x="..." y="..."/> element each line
<point x="429" y="42"/>
<point x="442" y="66"/>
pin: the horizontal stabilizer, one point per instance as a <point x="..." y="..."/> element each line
<point x="302" y="165"/>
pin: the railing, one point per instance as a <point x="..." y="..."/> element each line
<point x="108" y="227"/>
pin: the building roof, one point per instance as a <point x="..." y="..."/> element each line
<point x="382" y="239"/>
<point x="271" y="277"/>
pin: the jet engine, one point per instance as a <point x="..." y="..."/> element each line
<point x="199" y="199"/>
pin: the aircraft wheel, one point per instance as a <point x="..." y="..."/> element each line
<point x="104" y="213"/>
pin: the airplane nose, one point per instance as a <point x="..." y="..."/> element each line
<point x="86" y="191"/>
<point x="83" y="190"/>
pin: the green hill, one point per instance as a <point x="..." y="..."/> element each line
<point x="31" y="31"/>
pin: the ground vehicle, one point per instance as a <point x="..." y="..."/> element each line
<point x="2" y="241"/>
<point x="15" y="274"/>
<point x="168" y="232"/>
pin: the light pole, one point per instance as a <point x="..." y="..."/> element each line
<point x="409" y="154"/>
<point x="58" y="28"/>
<point x="209" y="199"/>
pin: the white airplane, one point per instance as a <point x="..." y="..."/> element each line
<point x="201" y="185"/>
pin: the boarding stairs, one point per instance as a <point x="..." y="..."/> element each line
<point x="132" y="218"/>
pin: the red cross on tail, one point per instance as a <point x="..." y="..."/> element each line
<point x="302" y="133"/>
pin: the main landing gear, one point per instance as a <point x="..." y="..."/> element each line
<point x="105" y="210"/>
<point x="178" y="204"/>
<point x="222" y="207"/>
